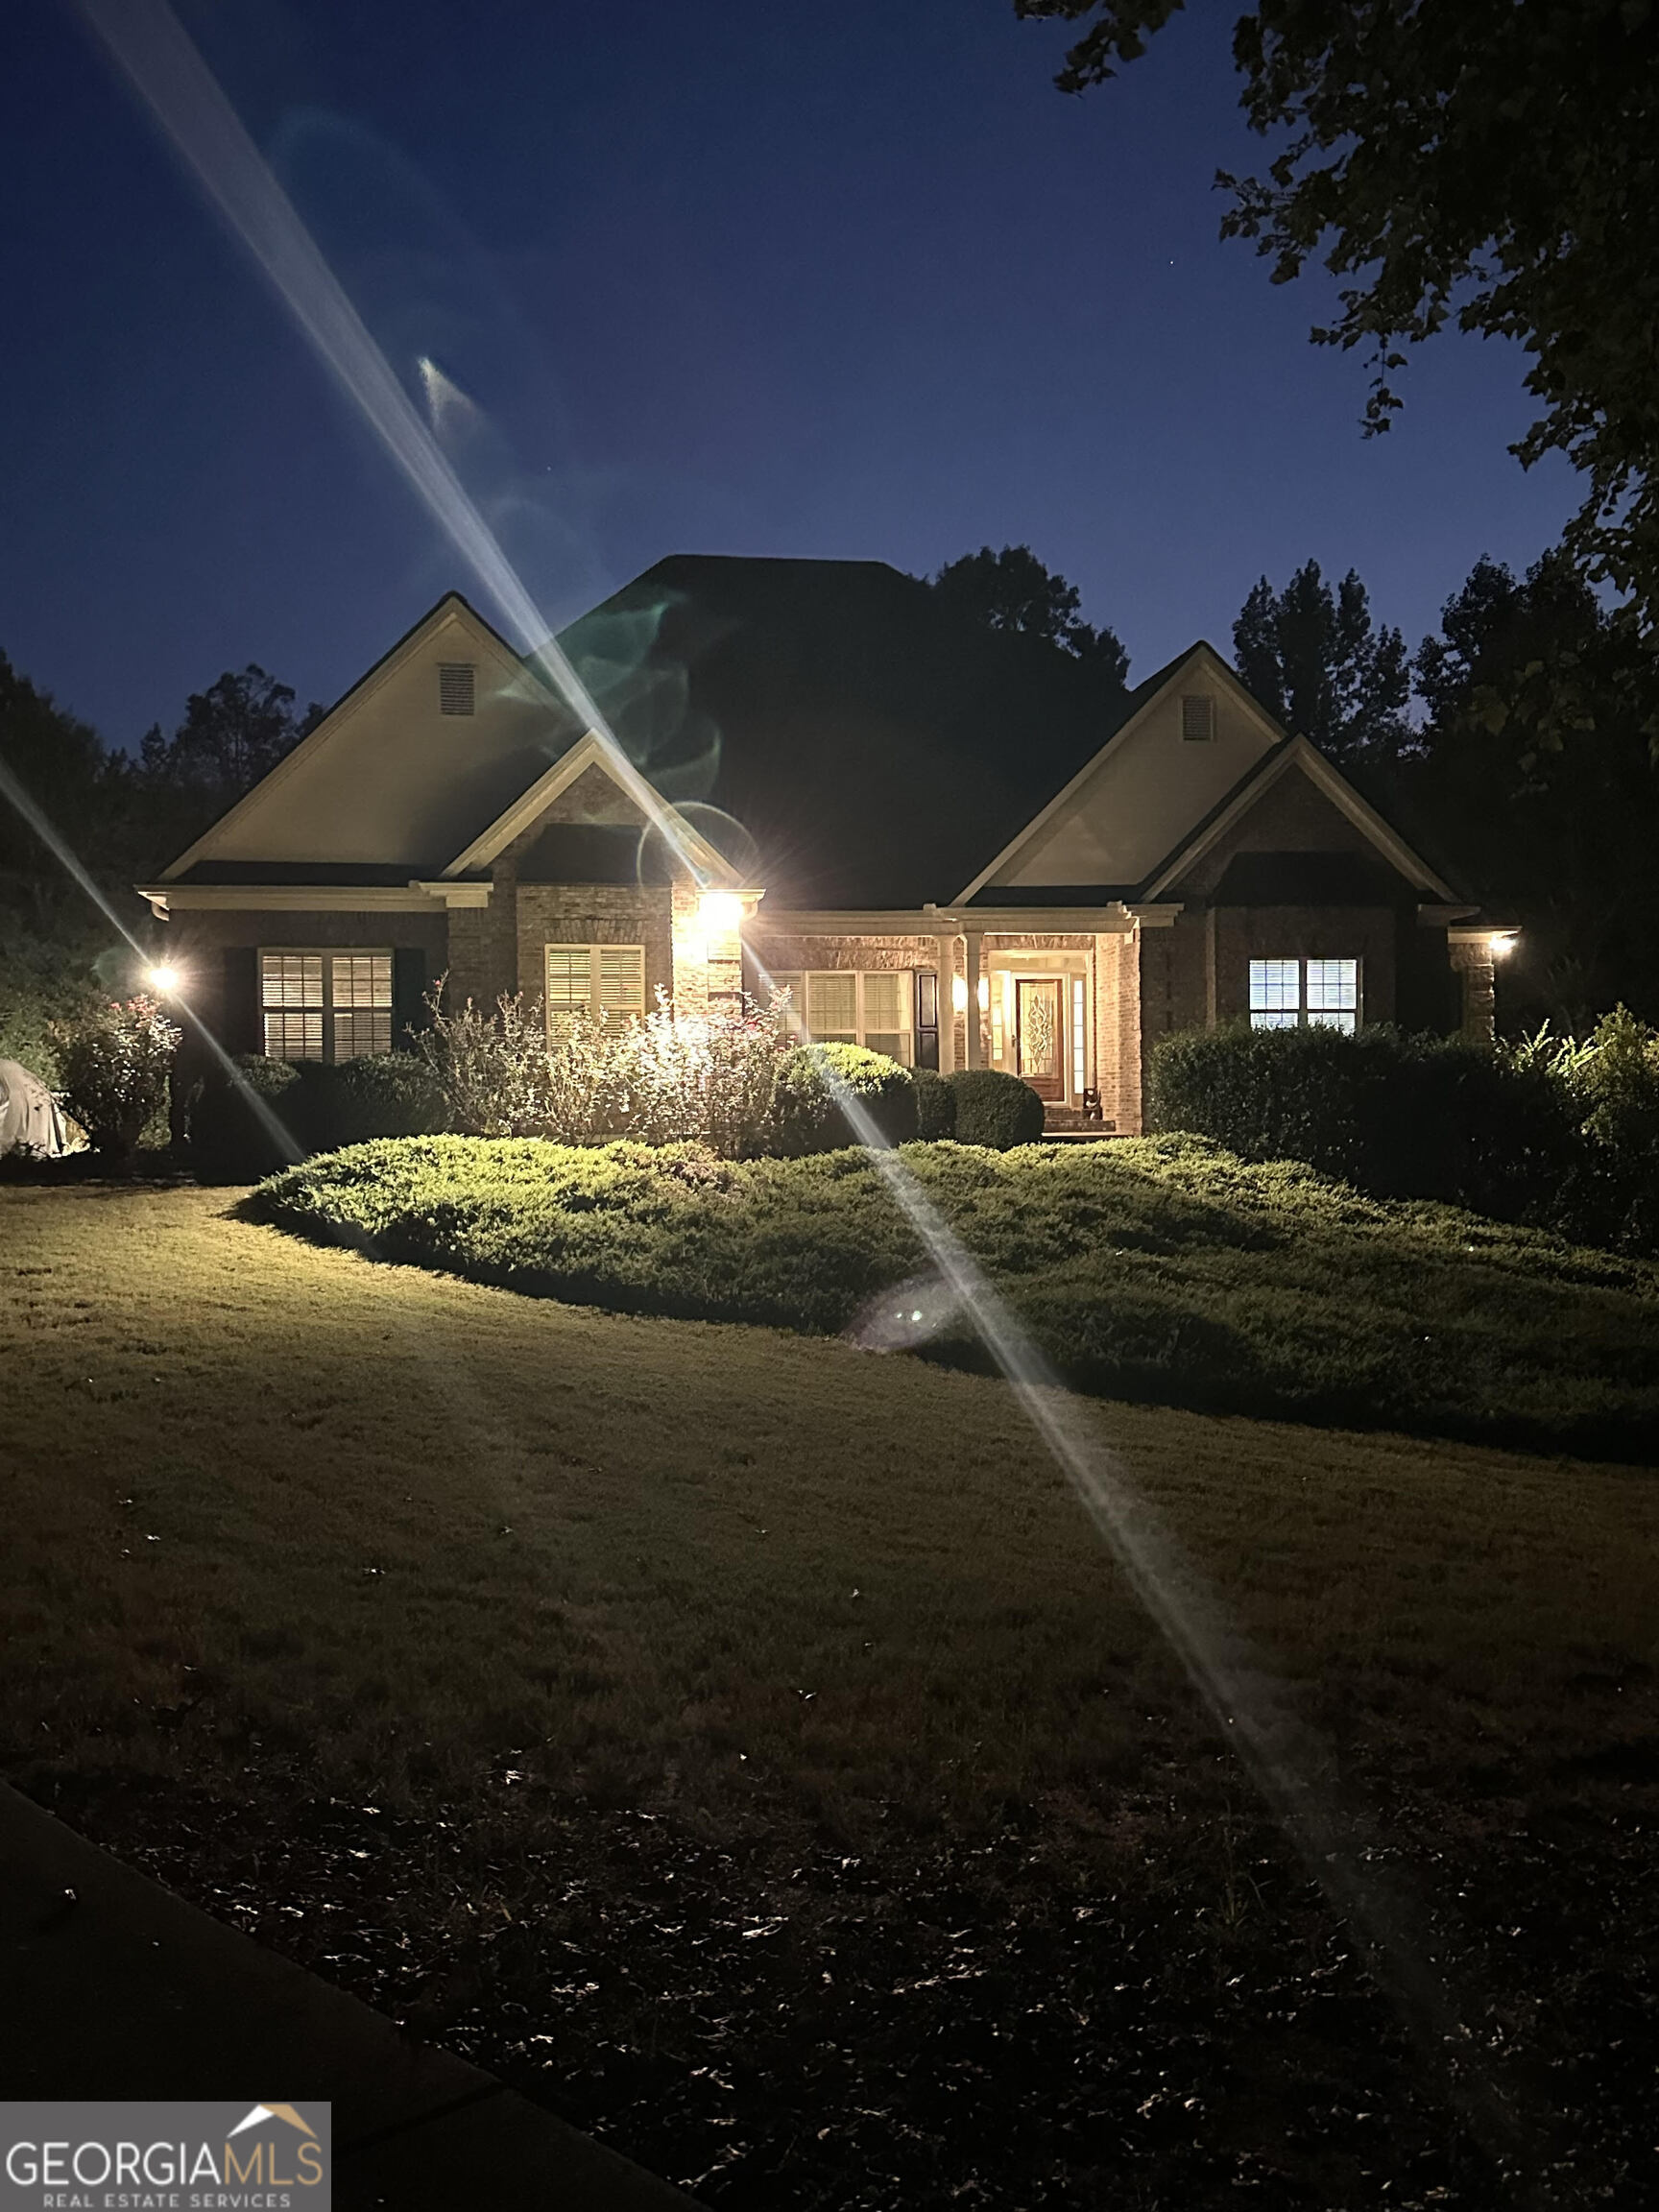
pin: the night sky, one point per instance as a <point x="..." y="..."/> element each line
<point x="723" y="278"/>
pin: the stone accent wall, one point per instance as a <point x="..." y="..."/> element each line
<point x="1473" y="964"/>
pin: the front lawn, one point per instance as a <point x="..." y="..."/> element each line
<point x="741" y="1742"/>
<point x="1160" y="1268"/>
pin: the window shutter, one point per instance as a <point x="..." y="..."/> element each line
<point x="621" y="979"/>
<point x="239" y="1013"/>
<point x="409" y="1007"/>
<point x="569" y="983"/>
<point x="455" y="687"/>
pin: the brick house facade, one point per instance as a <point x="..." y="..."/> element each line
<point x="451" y="819"/>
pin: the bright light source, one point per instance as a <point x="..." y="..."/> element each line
<point x="984" y="993"/>
<point x="959" y="994"/>
<point x="720" y="910"/>
<point x="163" y="980"/>
<point x="1501" y="948"/>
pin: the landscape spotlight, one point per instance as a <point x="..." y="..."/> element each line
<point x="163" y="981"/>
<point x="721" y="910"/>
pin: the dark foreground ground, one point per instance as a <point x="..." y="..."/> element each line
<point x="740" y="1743"/>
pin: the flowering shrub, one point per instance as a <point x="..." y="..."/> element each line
<point x="704" y="1079"/>
<point x="112" y="1066"/>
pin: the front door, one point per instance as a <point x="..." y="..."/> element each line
<point x="1038" y="1046"/>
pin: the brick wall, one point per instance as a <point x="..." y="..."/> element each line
<point x="592" y="914"/>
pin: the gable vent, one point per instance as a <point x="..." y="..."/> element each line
<point x="455" y="687"/>
<point x="1197" y="719"/>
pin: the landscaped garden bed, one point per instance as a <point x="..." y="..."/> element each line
<point x="1159" y="1268"/>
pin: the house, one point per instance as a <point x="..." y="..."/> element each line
<point x="952" y="846"/>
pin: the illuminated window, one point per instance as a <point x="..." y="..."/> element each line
<point x="1079" y="1063"/>
<point x="455" y="689"/>
<point x="1304" y="994"/>
<point x="325" y="1005"/>
<point x="605" y="980"/>
<point x="843" y="1006"/>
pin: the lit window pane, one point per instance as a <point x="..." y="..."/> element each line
<point x="896" y="1044"/>
<point x="621" y="980"/>
<point x="356" y="1034"/>
<point x="292" y="980"/>
<point x="1275" y="987"/>
<point x="884" y="1003"/>
<point x="1333" y="986"/>
<point x="362" y="979"/>
<point x="294" y="1035"/>
<point x="1335" y="1019"/>
<point x="1263" y="1018"/>
<point x="1079" y="1063"/>
<point x="832" y="1007"/>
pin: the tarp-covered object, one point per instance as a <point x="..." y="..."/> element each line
<point x="29" y="1114"/>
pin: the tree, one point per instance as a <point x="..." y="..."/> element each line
<point x="1320" y="665"/>
<point x="1564" y="838"/>
<point x="1480" y="162"/>
<point x="1012" y="591"/>
<point x="232" y="734"/>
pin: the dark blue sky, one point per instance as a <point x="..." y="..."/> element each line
<point x="718" y="277"/>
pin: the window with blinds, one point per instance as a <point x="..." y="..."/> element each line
<point x="455" y="687"/>
<point x="843" y="1006"/>
<point x="1305" y="994"/>
<point x="607" y="981"/>
<point x="325" y="1005"/>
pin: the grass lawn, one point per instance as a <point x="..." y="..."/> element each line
<point x="737" y="1739"/>
<point x="1158" y="1268"/>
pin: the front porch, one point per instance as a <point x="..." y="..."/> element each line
<point x="1052" y="996"/>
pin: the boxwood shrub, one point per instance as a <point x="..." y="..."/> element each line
<point x="935" y="1105"/>
<point x="806" y="1116"/>
<point x="321" y="1106"/>
<point x="1396" y="1116"/>
<point x="995" y="1109"/>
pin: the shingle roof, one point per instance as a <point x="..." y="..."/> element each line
<point x="877" y="748"/>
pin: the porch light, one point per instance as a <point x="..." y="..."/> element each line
<point x="1501" y="944"/>
<point x="959" y="995"/>
<point x="720" y="911"/>
<point x="984" y="994"/>
<point x="163" y="981"/>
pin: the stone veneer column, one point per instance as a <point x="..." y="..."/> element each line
<point x="1472" y="962"/>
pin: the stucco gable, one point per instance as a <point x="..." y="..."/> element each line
<point x="388" y="781"/>
<point x="1146" y="789"/>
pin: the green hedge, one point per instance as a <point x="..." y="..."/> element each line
<point x="807" y="1114"/>
<point x="1151" y="1267"/>
<point x="1400" y="1116"/>
<point x="995" y="1109"/>
<point x="318" y="1108"/>
<point x="935" y="1105"/>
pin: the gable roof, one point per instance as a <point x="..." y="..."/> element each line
<point x="471" y="767"/>
<point x="1133" y="708"/>
<point x="1254" y="785"/>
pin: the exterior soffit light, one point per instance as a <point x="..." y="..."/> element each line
<point x="163" y="981"/>
<point x="720" y="910"/>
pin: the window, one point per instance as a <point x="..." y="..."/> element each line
<point x="1197" y="719"/>
<point x="1080" y="1061"/>
<point x="1304" y="994"/>
<point x="605" y="980"/>
<point x="841" y="1007"/>
<point x="325" y="1005"/>
<point x="454" y="687"/>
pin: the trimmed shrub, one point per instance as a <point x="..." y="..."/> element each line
<point x="112" y="1066"/>
<point x="1396" y="1116"/>
<point x="806" y="1115"/>
<point x="995" y="1109"/>
<point x="321" y="1106"/>
<point x="227" y="1139"/>
<point x="935" y="1105"/>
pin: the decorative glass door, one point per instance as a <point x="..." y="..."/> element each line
<point x="1039" y="1046"/>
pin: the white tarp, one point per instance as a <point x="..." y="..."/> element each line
<point x="29" y="1114"/>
